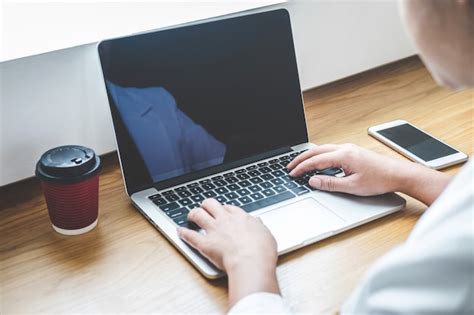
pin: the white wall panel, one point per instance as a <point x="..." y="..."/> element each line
<point x="58" y="97"/>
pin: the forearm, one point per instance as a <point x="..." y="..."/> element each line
<point x="420" y="182"/>
<point x="245" y="280"/>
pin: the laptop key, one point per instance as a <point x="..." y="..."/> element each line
<point x="204" y="181"/>
<point x="243" y="192"/>
<point x="218" y="177"/>
<point x="287" y="178"/>
<point x="279" y="189"/>
<point x="196" y="190"/>
<point x="185" y="202"/>
<point x="183" y="222"/>
<point x="233" y="187"/>
<point x="209" y="194"/>
<point x="177" y="212"/>
<point x="284" y="157"/>
<point x="168" y="192"/>
<point x="251" y="167"/>
<point x="159" y="201"/>
<point x="300" y="190"/>
<point x="268" y="192"/>
<point x="242" y="170"/>
<point x="266" y="185"/>
<point x="276" y="166"/>
<point x="273" y="161"/>
<point x="169" y="206"/>
<point x="256" y="180"/>
<point x="268" y="201"/>
<point x="277" y="181"/>
<point x="220" y="183"/>
<point x="262" y="164"/>
<point x="197" y="198"/>
<point x="257" y="196"/>
<point x="255" y="188"/>
<point x="301" y="181"/>
<point x="245" y="183"/>
<point x="208" y="186"/>
<point x="182" y="188"/>
<point x="245" y="200"/>
<point x="221" y="190"/>
<point x="290" y="185"/>
<point x="243" y="176"/>
<point x="155" y="196"/>
<point x="172" y="197"/>
<point x="254" y="173"/>
<point x="231" y="195"/>
<point x="278" y="173"/>
<point x="267" y="176"/>
<point x="229" y="174"/>
<point x="265" y="170"/>
<point x="194" y="206"/>
<point x="231" y="180"/>
<point x="192" y="185"/>
<point x="184" y="194"/>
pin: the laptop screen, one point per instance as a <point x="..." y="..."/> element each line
<point x="196" y="99"/>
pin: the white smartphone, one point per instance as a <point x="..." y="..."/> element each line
<point x="416" y="144"/>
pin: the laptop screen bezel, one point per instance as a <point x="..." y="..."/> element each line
<point x="130" y="189"/>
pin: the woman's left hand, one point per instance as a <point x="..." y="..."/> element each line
<point x="237" y="243"/>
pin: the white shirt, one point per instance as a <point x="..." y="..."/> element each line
<point x="431" y="273"/>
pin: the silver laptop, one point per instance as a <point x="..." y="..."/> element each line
<point x="214" y="110"/>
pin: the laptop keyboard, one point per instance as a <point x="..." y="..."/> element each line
<point x="251" y="187"/>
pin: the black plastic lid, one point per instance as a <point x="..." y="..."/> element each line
<point x="68" y="164"/>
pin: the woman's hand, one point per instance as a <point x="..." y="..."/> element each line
<point x="235" y="242"/>
<point x="368" y="173"/>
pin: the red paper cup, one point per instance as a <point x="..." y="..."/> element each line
<point x="70" y="181"/>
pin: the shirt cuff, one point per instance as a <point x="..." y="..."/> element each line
<point x="260" y="303"/>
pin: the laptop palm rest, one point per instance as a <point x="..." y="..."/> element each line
<point x="295" y="224"/>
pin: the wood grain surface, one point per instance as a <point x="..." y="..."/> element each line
<point x="125" y="265"/>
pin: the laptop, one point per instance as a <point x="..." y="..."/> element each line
<point x="214" y="109"/>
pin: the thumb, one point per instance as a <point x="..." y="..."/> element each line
<point x="330" y="183"/>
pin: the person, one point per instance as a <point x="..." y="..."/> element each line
<point x="433" y="271"/>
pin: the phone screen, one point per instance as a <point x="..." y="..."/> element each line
<point x="417" y="142"/>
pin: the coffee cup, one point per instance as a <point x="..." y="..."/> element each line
<point x="69" y="177"/>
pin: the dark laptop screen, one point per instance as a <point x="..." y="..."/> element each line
<point x="201" y="98"/>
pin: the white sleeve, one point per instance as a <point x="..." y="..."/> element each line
<point x="433" y="271"/>
<point x="260" y="303"/>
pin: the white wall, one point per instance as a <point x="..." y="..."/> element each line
<point x="58" y="98"/>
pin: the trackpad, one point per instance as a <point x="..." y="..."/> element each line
<point x="298" y="222"/>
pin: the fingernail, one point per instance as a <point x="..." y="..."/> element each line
<point x="292" y="173"/>
<point x="315" y="182"/>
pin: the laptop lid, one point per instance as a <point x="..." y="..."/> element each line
<point x="190" y="101"/>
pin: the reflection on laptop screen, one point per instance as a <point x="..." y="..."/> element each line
<point x="199" y="96"/>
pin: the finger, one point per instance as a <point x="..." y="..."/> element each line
<point x="331" y="183"/>
<point x="312" y="152"/>
<point x="193" y="238"/>
<point x="322" y="161"/>
<point x="213" y="206"/>
<point x="234" y="209"/>
<point x="202" y="218"/>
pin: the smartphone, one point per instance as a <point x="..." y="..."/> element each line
<point x="416" y="144"/>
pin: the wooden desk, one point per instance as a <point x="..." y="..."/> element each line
<point x="125" y="265"/>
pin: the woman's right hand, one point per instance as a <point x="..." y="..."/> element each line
<point x="368" y="173"/>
